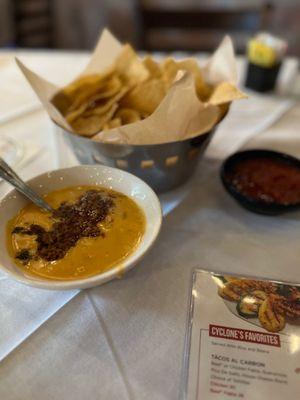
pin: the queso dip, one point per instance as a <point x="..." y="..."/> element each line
<point x="91" y="230"/>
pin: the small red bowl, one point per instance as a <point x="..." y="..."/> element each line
<point x="251" y="204"/>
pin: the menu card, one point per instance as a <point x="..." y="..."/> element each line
<point x="243" y="339"/>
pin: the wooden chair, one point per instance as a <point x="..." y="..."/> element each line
<point x="33" y="23"/>
<point x="193" y="28"/>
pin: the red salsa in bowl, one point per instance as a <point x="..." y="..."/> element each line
<point x="263" y="181"/>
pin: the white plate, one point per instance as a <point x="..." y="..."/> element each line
<point x="111" y="178"/>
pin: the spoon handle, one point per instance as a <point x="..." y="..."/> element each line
<point x="9" y="175"/>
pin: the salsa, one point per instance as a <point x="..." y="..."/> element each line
<point x="267" y="180"/>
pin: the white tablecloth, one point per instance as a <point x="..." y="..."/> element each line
<point x="124" y="340"/>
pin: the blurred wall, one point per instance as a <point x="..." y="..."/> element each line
<point x="6" y="23"/>
<point x="77" y="23"/>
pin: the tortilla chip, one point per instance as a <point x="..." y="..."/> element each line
<point x="225" y="92"/>
<point x="114" y="123"/>
<point x="87" y="81"/>
<point x="146" y="97"/>
<point x="203" y="90"/>
<point x="171" y="67"/>
<point x="101" y="106"/>
<point x="223" y="110"/>
<point x="111" y="88"/>
<point x="153" y="67"/>
<point x="70" y="116"/>
<point x="87" y="109"/>
<point x="128" y="115"/>
<point x="130" y="68"/>
<point x="73" y="96"/>
<point x="90" y="125"/>
<point x="132" y="89"/>
<point x="169" y="71"/>
<point x="62" y="102"/>
<point x="104" y="88"/>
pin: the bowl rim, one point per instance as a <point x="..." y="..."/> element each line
<point x="257" y="206"/>
<point x="87" y="139"/>
<point x="107" y="275"/>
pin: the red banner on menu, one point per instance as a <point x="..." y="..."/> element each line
<point x="244" y="335"/>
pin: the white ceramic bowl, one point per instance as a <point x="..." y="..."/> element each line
<point x="111" y="178"/>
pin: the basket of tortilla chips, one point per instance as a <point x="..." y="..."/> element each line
<point x="150" y="118"/>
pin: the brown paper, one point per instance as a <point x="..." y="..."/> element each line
<point x="180" y="115"/>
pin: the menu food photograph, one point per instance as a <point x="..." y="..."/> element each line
<point x="149" y="202"/>
<point x="242" y="339"/>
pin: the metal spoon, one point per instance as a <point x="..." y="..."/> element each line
<point x="9" y="175"/>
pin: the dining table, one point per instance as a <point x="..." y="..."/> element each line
<point x="125" y="339"/>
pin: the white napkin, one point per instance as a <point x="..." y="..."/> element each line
<point x="18" y="155"/>
<point x="246" y="119"/>
<point x="23" y="310"/>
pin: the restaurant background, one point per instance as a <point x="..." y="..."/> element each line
<point x="151" y="24"/>
<point x="125" y="340"/>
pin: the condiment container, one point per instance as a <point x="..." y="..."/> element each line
<point x="265" y="53"/>
<point x="280" y="186"/>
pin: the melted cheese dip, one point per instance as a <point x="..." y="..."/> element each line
<point x="121" y="231"/>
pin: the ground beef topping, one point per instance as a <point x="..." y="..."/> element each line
<point x="72" y="221"/>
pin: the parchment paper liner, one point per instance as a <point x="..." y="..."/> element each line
<point x="181" y="115"/>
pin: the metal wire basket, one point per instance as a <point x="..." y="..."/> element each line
<point x="163" y="166"/>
